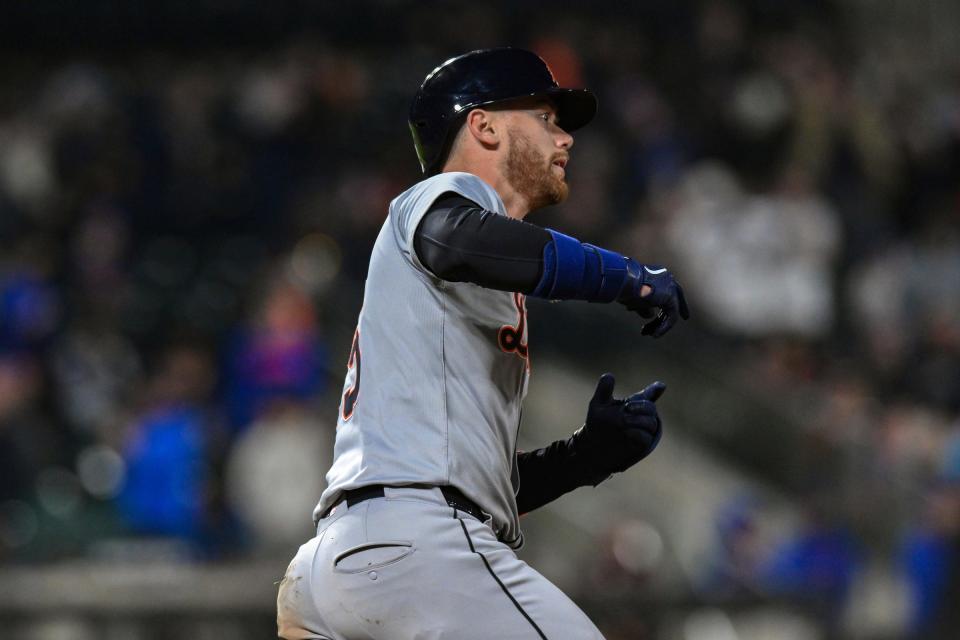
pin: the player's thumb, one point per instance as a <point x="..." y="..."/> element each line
<point x="653" y="391"/>
<point x="604" y="390"/>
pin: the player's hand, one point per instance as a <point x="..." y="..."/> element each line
<point x="618" y="433"/>
<point x="653" y="292"/>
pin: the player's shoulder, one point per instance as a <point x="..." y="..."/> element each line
<point x="423" y="193"/>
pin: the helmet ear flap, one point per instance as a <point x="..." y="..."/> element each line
<point x="454" y="126"/>
<point x="418" y="145"/>
<point x="429" y="127"/>
<point x="433" y="141"/>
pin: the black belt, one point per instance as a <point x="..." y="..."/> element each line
<point x="453" y="497"/>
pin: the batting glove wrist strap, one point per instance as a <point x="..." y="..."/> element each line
<point x="578" y="271"/>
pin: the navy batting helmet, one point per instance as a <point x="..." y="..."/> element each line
<point x="481" y="78"/>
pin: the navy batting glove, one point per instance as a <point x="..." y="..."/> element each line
<point x="618" y="433"/>
<point x="665" y="303"/>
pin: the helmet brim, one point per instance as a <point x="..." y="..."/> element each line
<point x="575" y="107"/>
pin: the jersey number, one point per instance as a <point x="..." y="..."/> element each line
<point x="353" y="392"/>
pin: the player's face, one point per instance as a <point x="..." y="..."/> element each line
<point x="537" y="155"/>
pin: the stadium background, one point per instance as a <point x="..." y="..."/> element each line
<point x="188" y="195"/>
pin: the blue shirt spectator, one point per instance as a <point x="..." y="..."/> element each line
<point x="166" y="481"/>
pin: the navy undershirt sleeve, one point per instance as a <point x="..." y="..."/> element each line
<point x="548" y="473"/>
<point x="459" y="241"/>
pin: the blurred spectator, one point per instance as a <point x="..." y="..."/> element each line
<point x="29" y="306"/>
<point x="97" y="372"/>
<point x="28" y="441"/>
<point x="98" y="251"/>
<point x="26" y="167"/>
<point x="908" y="301"/>
<point x="733" y="569"/>
<point x="279" y="355"/>
<point x="931" y="561"/>
<point x="816" y="566"/>
<point x="759" y="264"/>
<point x="168" y="450"/>
<point x="275" y="472"/>
<point x="631" y="551"/>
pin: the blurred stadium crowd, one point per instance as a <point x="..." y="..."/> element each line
<point x="184" y="233"/>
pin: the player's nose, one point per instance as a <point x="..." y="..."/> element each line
<point x="564" y="140"/>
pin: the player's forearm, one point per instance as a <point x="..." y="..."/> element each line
<point x="550" y="472"/>
<point x="574" y="270"/>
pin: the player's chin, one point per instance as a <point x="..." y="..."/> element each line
<point x="550" y="189"/>
<point x="559" y="190"/>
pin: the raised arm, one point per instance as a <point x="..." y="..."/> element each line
<point x="459" y="241"/>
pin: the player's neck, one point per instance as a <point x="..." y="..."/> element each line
<point x="514" y="202"/>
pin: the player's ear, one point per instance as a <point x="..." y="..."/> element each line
<point x="484" y="127"/>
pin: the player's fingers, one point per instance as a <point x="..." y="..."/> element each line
<point x="643" y="308"/>
<point x="637" y="410"/>
<point x="641" y="414"/>
<point x="682" y="301"/>
<point x="651" y="327"/>
<point x="653" y="391"/>
<point x="604" y="391"/>
<point x="669" y="319"/>
<point x="643" y="400"/>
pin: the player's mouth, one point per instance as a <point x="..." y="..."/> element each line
<point x="561" y="162"/>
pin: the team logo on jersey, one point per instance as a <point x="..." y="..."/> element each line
<point x="513" y="339"/>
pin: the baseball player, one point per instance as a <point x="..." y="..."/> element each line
<point x="418" y="526"/>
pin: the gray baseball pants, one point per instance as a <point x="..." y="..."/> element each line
<point x="408" y="566"/>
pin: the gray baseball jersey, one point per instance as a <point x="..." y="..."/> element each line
<point x="437" y="373"/>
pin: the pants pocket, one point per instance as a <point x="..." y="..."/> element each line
<point x="372" y="555"/>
